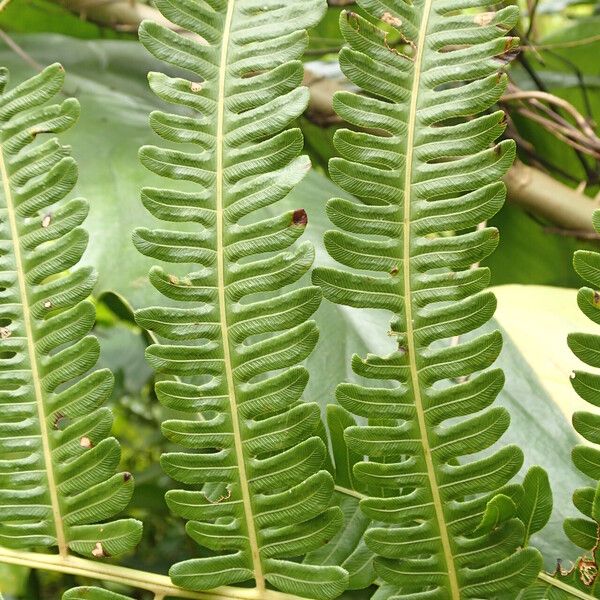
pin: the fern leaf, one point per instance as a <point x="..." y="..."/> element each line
<point x="236" y="336"/>
<point x="535" y="509"/>
<point x="92" y="593"/>
<point x="420" y="167"/>
<point x="584" y="531"/>
<point x="542" y="591"/>
<point x="57" y="466"/>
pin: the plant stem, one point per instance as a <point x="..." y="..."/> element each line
<point x="152" y="582"/>
<point x="349" y="492"/>
<point x="543" y="195"/>
<point x="557" y="583"/>
<point x="161" y="586"/>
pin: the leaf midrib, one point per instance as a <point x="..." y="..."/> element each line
<point x="408" y="308"/>
<point x="221" y="287"/>
<point x="35" y="375"/>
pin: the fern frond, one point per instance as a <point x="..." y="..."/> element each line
<point x="58" y="484"/>
<point x="258" y="494"/>
<point x="422" y="166"/>
<point x="92" y="593"/>
<point x="584" y="531"/>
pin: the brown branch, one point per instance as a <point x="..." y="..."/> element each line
<point x="121" y="15"/>
<point x="557" y="101"/>
<point x="579" y="235"/>
<point x="539" y="193"/>
<point x="19" y="51"/>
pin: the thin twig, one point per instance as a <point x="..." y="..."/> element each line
<point x="559" y="45"/>
<point x="557" y="101"/>
<point x="532" y="12"/>
<point x="19" y="51"/>
<point x="573" y="233"/>
<point x="580" y="79"/>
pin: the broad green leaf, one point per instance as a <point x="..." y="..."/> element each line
<point x="236" y="336"/>
<point x="28" y="16"/>
<point x="536" y="507"/>
<point x="57" y="463"/>
<point x="543" y="257"/>
<point x="413" y="180"/>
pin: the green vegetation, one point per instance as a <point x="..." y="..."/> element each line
<point x="354" y="414"/>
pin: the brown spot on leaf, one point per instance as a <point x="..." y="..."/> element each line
<point x="508" y="55"/>
<point x="394" y="271"/>
<point x="47" y="304"/>
<point x="5" y="332"/>
<point x="221" y="498"/>
<point x="596" y="298"/>
<point x="483" y="19"/>
<point x="300" y="218"/>
<point x="196" y="87"/>
<point x="173" y="280"/>
<point x="85" y="442"/>
<point x="352" y="19"/>
<point x="390" y="19"/>
<point x="127" y="476"/>
<point x="46" y="220"/>
<point x="60" y="421"/>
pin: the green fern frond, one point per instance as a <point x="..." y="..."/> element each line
<point x="422" y="166"/>
<point x="584" y="531"/>
<point x="543" y="591"/>
<point x="58" y="484"/>
<point x="92" y="593"/>
<point x="257" y="492"/>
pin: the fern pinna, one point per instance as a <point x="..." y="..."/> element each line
<point x="57" y="466"/>
<point x="257" y="493"/>
<point x="421" y="166"/>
